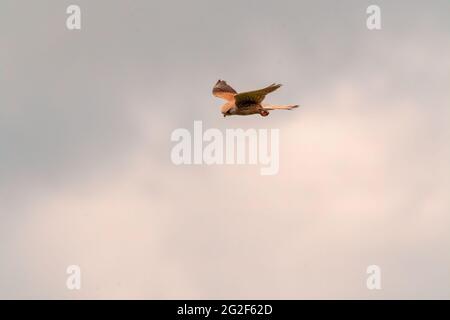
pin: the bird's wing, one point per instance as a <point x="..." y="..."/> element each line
<point x="224" y="91"/>
<point x="254" y="97"/>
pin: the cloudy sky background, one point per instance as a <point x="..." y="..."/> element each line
<point x="86" y="176"/>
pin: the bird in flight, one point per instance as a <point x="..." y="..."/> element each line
<point x="246" y="103"/>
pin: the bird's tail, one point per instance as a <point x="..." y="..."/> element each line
<point x="280" y="107"/>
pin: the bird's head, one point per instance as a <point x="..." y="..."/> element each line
<point x="226" y="114"/>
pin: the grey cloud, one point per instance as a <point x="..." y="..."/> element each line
<point x="85" y="123"/>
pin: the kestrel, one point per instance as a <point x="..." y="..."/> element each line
<point x="246" y="103"/>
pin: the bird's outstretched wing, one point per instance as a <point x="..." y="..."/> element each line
<point x="254" y="97"/>
<point x="224" y="91"/>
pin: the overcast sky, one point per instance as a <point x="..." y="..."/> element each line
<point x="85" y="170"/>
